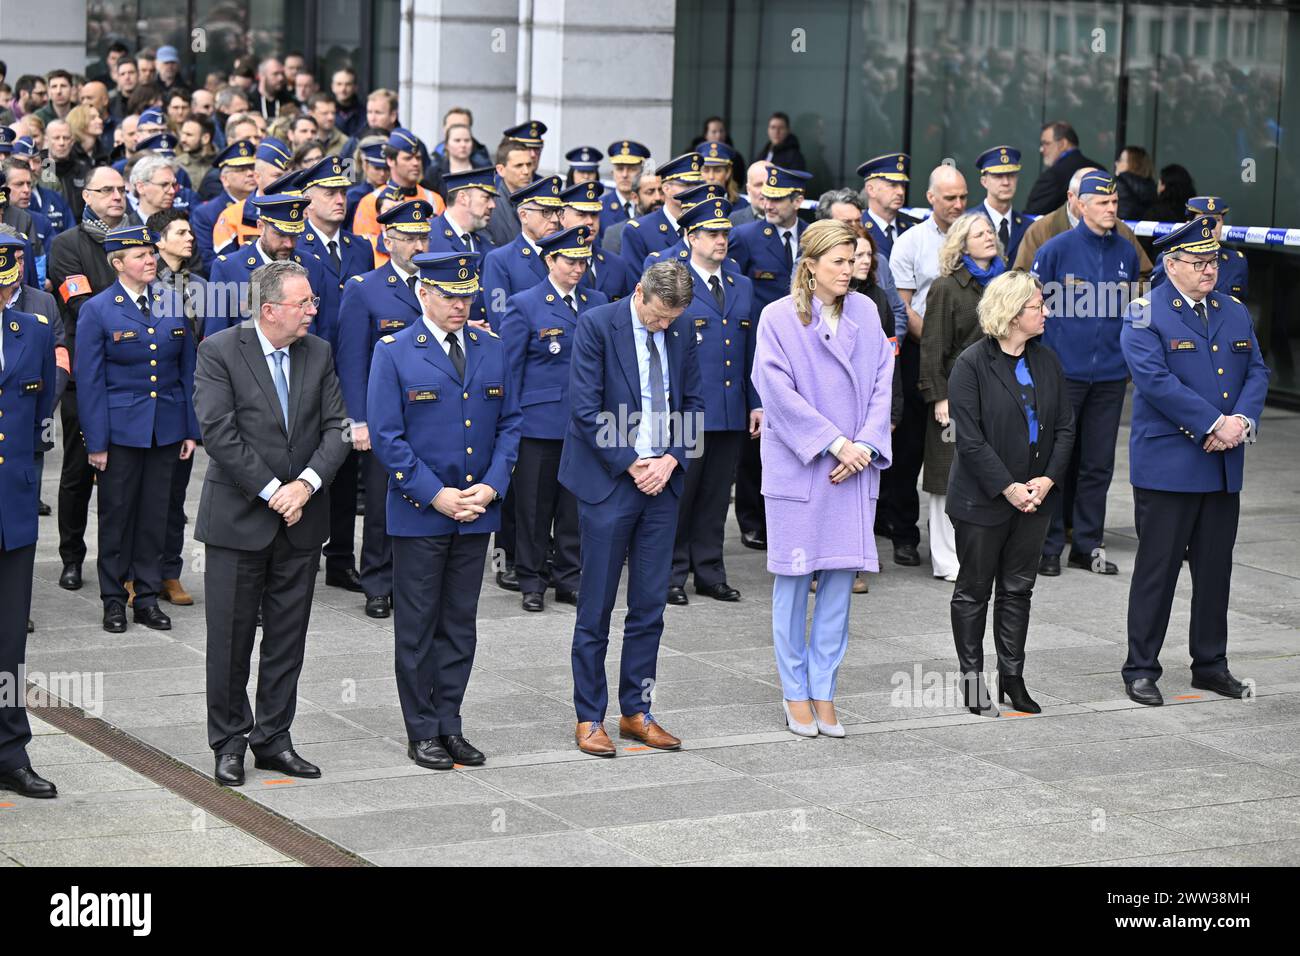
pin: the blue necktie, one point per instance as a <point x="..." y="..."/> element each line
<point x="281" y="386"/>
<point x="658" y="400"/>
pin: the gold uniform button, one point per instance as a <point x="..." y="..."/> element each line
<point x="153" y="378"/>
<point x="728" y="363"/>
<point x="153" y="346"/>
<point x="2" y="460"/>
<point x="1214" y="348"/>
<point x="153" y="394"/>
<point x="1220" y="371"/>
<point x="464" y="395"/>
<point x="1225" y="394"/>
<point x="724" y="321"/>
<point x="727" y="383"/>
<point x="2" y="436"/>
<point x="467" y="423"/>
<point x="153" y="363"/>
<point x="151" y="331"/>
<point x="469" y="477"/>
<point x="726" y="341"/>
<point x="469" y="451"/>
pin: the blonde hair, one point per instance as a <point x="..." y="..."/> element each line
<point x="78" y="120"/>
<point x="954" y="243"/>
<point x="1004" y="299"/>
<point x="817" y="240"/>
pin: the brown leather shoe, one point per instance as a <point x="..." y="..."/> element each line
<point x="130" y="592"/>
<point x="646" y="729"/>
<point x="592" y="739"/>
<point x="174" y="592"/>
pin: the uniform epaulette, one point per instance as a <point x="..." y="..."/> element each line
<point x="654" y="255"/>
<point x="41" y="319"/>
<point x="388" y="338"/>
<point x="493" y="334"/>
<point x="222" y="258"/>
<point x="1142" y="301"/>
<point x="1234" y="298"/>
<point x="1240" y="254"/>
<point x="357" y="279"/>
<point x="634" y="224"/>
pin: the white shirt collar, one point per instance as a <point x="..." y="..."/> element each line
<point x="401" y="273"/>
<point x="262" y="252"/>
<point x="560" y="293"/>
<point x="996" y="217"/>
<point x="706" y="276"/>
<point x="327" y="239"/>
<point x="460" y="233"/>
<point x="442" y="336"/>
<point x="672" y="223"/>
<point x="881" y="222"/>
<point x="267" y="347"/>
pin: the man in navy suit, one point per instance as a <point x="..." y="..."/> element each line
<point x="27" y="379"/>
<point x="636" y="407"/>
<point x="538" y="331"/>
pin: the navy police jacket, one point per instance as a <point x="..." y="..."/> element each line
<point x="376" y="304"/>
<point x="26" y="404"/>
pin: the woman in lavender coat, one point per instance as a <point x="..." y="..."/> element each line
<point x="824" y="371"/>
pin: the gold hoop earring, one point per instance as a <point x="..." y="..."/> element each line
<point x="812" y="283"/>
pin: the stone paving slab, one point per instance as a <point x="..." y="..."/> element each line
<point x="1093" y="780"/>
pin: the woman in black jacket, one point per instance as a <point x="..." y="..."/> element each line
<point x="1015" y="431"/>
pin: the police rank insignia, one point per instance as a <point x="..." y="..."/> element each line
<point x="1182" y="345"/>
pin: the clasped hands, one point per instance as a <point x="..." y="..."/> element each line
<point x="853" y="458"/>
<point x="651" y="474"/>
<point x="466" y="505"/>
<point x="289" y="500"/>
<point x="1027" y="496"/>
<point x="1230" y="434"/>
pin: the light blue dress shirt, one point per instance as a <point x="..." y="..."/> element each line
<point x="269" y="350"/>
<point x="640" y="336"/>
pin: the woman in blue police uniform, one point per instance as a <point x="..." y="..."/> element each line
<point x="721" y="318"/>
<point x="1199" y="387"/>
<point x="444" y="421"/>
<point x="606" y="273"/>
<point x="27" y="377"/>
<point x="1234" y="275"/>
<point x="380" y="302"/>
<point x="135" y="364"/>
<point x="538" y="332"/>
<point x="584" y="165"/>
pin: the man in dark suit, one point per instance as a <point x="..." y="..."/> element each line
<point x="1058" y="144"/>
<point x="271" y="415"/>
<point x="633" y="423"/>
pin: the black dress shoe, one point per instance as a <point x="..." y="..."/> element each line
<point x="752" y="539"/>
<point x="286" y="761"/>
<point x="1097" y="566"/>
<point x="378" y="606"/>
<point x="430" y="754"/>
<point x="677" y="595"/>
<point x="26" y="782"/>
<point x="1144" y="691"/>
<point x="906" y="554"/>
<point x="347" y="579"/>
<point x="230" y="770"/>
<point x="566" y="597"/>
<point x="534" y="601"/>
<point x="114" y="617"/>
<point x="31" y="628"/>
<point x="719" y="592"/>
<point x="70" y="579"/>
<point x="44" y="510"/>
<point x="462" y="751"/>
<point x="153" y="617"/>
<point x="1223" y="683"/>
<point x="507" y="580"/>
<point x="1049" y="565"/>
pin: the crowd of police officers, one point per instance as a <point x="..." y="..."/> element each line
<point x="520" y="266"/>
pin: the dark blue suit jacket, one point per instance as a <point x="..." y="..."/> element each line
<point x="604" y="391"/>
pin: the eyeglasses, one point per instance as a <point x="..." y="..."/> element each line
<point x="1034" y="308"/>
<point x="1201" y="265"/>
<point x="108" y="190"/>
<point x="166" y="184"/>
<point x="314" y="302"/>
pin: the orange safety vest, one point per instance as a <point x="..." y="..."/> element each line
<point x="230" y="226"/>
<point x="365" y="221"/>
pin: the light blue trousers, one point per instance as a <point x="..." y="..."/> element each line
<point x="809" y="665"/>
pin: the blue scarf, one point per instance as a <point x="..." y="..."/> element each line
<point x="982" y="276"/>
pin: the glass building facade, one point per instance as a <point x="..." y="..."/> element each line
<point x="1212" y="87"/>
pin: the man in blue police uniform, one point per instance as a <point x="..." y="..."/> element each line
<point x="1088" y="275"/>
<point x="27" y="378"/>
<point x="1234" y="277"/>
<point x="584" y="165"/>
<point x="237" y="184"/>
<point x="517" y="265"/>
<point x="635" y="401"/>
<point x="680" y="251"/>
<point x="538" y="331"/>
<point x="885" y="180"/>
<point x="379" y="303"/>
<point x="718" y="159"/>
<point x="626" y="159"/>
<point x="765" y="251"/>
<point x="135" y="366"/>
<point x="342" y="255"/>
<point x="1199" y="388"/>
<point x="281" y="219"/>
<point x="999" y="170"/>
<point x="462" y="227"/>
<point x="444" y="420"/>
<point x="721" y="318"/>
<point x="660" y="229"/>
<point x="606" y="272"/>
<point x="530" y="133"/>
